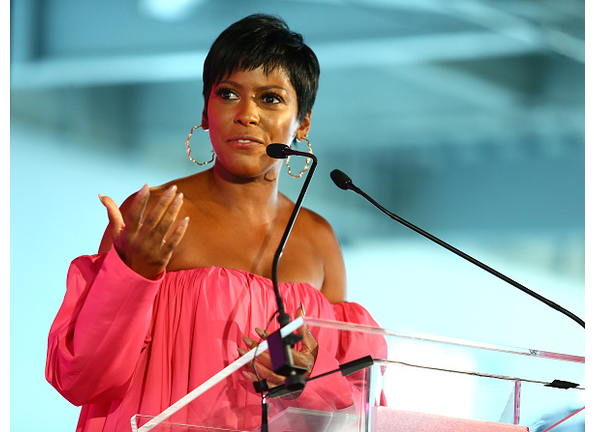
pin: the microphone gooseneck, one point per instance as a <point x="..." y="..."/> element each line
<point x="279" y="347"/>
<point x="282" y="151"/>
<point x="344" y="182"/>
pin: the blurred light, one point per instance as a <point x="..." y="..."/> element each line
<point x="168" y="10"/>
<point x="430" y="391"/>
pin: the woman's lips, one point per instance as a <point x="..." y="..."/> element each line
<point x="244" y="141"/>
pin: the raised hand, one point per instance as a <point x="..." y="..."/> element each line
<point x="304" y="357"/>
<point x="146" y="238"/>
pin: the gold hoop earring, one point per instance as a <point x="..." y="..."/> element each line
<point x="306" y="167"/>
<point x="190" y="151"/>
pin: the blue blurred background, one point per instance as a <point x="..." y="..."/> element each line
<point x="464" y="117"/>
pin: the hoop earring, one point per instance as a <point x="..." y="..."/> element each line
<point x="190" y="151"/>
<point x="306" y="167"/>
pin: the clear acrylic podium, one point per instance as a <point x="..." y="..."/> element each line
<point x="425" y="383"/>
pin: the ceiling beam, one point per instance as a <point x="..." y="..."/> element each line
<point x="180" y="66"/>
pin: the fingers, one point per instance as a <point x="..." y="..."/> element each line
<point x="263" y="357"/>
<point x="164" y="228"/>
<point x="134" y="214"/>
<point x="309" y="344"/>
<point x="171" y="243"/>
<point x="272" y="379"/>
<point x="145" y="237"/>
<point x="168" y="212"/>
<point x="116" y="220"/>
<point x="304" y="357"/>
<point x="153" y="217"/>
<point x="260" y="368"/>
<point x="155" y="224"/>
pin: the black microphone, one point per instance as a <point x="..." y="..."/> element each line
<point x="280" y="350"/>
<point x="344" y="182"/>
<point x="277" y="151"/>
<point x="282" y="151"/>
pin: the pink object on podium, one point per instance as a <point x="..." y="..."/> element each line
<point x="393" y="420"/>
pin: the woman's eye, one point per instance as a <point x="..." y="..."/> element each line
<point x="271" y="98"/>
<point x="227" y="94"/>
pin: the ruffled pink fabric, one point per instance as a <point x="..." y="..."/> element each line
<point x="122" y="345"/>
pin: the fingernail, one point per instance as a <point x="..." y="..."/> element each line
<point x="247" y="341"/>
<point x="260" y="332"/>
<point x="169" y="192"/>
<point x="242" y="351"/>
<point x="178" y="199"/>
<point x="185" y="221"/>
<point x="302" y="309"/>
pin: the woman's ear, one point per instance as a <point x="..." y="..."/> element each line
<point x="303" y="128"/>
<point x="204" y="123"/>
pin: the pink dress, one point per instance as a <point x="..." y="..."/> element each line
<point x="122" y="344"/>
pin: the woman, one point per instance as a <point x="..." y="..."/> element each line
<point x="181" y="284"/>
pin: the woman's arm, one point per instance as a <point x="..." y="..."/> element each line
<point x="100" y="329"/>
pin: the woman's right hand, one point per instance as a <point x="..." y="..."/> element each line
<point x="146" y="238"/>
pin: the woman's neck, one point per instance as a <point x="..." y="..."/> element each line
<point x="252" y="199"/>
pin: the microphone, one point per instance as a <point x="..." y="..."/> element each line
<point x="277" y="151"/>
<point x="282" y="151"/>
<point x="343" y="181"/>
<point x="280" y="350"/>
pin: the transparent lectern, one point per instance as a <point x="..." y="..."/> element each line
<point x="425" y="383"/>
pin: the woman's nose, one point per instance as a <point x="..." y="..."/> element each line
<point x="247" y="113"/>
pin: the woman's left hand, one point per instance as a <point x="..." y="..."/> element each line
<point x="304" y="357"/>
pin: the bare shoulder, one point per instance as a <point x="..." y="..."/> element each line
<point x="154" y="194"/>
<point x="323" y="238"/>
<point x="319" y="221"/>
<point x="184" y="185"/>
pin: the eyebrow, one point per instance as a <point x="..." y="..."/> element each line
<point x="264" y="88"/>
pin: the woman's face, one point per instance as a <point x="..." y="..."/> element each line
<point x="246" y="112"/>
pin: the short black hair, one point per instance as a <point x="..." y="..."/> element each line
<point x="262" y="40"/>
